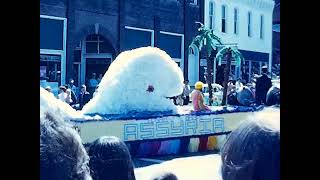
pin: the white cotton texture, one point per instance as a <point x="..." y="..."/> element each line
<point x="49" y="103"/>
<point x="123" y="88"/>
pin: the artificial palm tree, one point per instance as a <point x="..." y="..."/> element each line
<point x="206" y="38"/>
<point x="228" y="53"/>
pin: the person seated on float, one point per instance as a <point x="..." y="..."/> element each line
<point x="62" y="155"/>
<point x="252" y="151"/>
<point x="230" y="87"/>
<point x="198" y="98"/>
<point x="110" y="159"/>
<point x="245" y="96"/>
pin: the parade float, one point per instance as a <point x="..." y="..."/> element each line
<point x="133" y="103"/>
<point x="251" y="152"/>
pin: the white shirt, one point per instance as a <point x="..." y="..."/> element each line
<point x="62" y="96"/>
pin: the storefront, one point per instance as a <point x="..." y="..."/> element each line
<point x="254" y="61"/>
<point x="52" y="51"/>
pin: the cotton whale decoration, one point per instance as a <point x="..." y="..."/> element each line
<point x="50" y="103"/>
<point x="138" y="80"/>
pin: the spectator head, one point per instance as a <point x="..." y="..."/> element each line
<point x="94" y="75"/>
<point x="83" y="88"/>
<point x="71" y="81"/>
<point x="186" y="82"/>
<point x="264" y="69"/>
<point x="165" y="176"/>
<point x="110" y="159"/>
<point x="273" y="96"/>
<point x="48" y="88"/>
<point x="62" y="89"/>
<point x="62" y="155"/>
<point x="252" y="151"/>
<point x="198" y="85"/>
<point x="245" y="96"/>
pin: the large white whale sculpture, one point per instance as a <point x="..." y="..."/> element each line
<point x="138" y="80"/>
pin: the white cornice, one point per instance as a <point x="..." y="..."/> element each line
<point x="261" y="4"/>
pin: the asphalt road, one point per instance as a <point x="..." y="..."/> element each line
<point x="147" y="161"/>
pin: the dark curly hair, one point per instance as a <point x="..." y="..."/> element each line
<point x="165" y="176"/>
<point x="62" y="155"/>
<point x="252" y="151"/>
<point x="110" y="159"/>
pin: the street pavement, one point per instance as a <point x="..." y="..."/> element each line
<point x="147" y="161"/>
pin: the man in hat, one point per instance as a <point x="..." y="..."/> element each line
<point x="84" y="96"/>
<point x="263" y="84"/>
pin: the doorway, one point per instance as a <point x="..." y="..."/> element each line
<point x="97" y="64"/>
<point x="96" y="57"/>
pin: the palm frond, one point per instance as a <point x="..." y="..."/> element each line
<point x="236" y="55"/>
<point x="216" y="38"/>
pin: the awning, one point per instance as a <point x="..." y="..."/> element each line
<point x="255" y="56"/>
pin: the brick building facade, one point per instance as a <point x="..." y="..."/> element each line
<point x="97" y="31"/>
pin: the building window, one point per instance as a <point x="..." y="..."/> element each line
<point x="235" y="25"/>
<point x="261" y="27"/>
<point x="211" y="15"/>
<point x="96" y="44"/>
<point x="249" y="24"/>
<point x="51" y="34"/>
<point x="137" y="37"/>
<point x="224" y="19"/>
<point x="52" y="51"/>
<point x="172" y="43"/>
<point x="194" y="2"/>
<point x="50" y="67"/>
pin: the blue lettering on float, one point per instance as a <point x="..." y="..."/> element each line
<point x="147" y="130"/>
<point x="191" y="123"/>
<point x="162" y="129"/>
<point x="177" y="127"/>
<point x="130" y="130"/>
<point x="218" y="125"/>
<point x="205" y="123"/>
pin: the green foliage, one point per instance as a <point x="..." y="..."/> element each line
<point x="207" y="38"/>
<point x="236" y="55"/>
